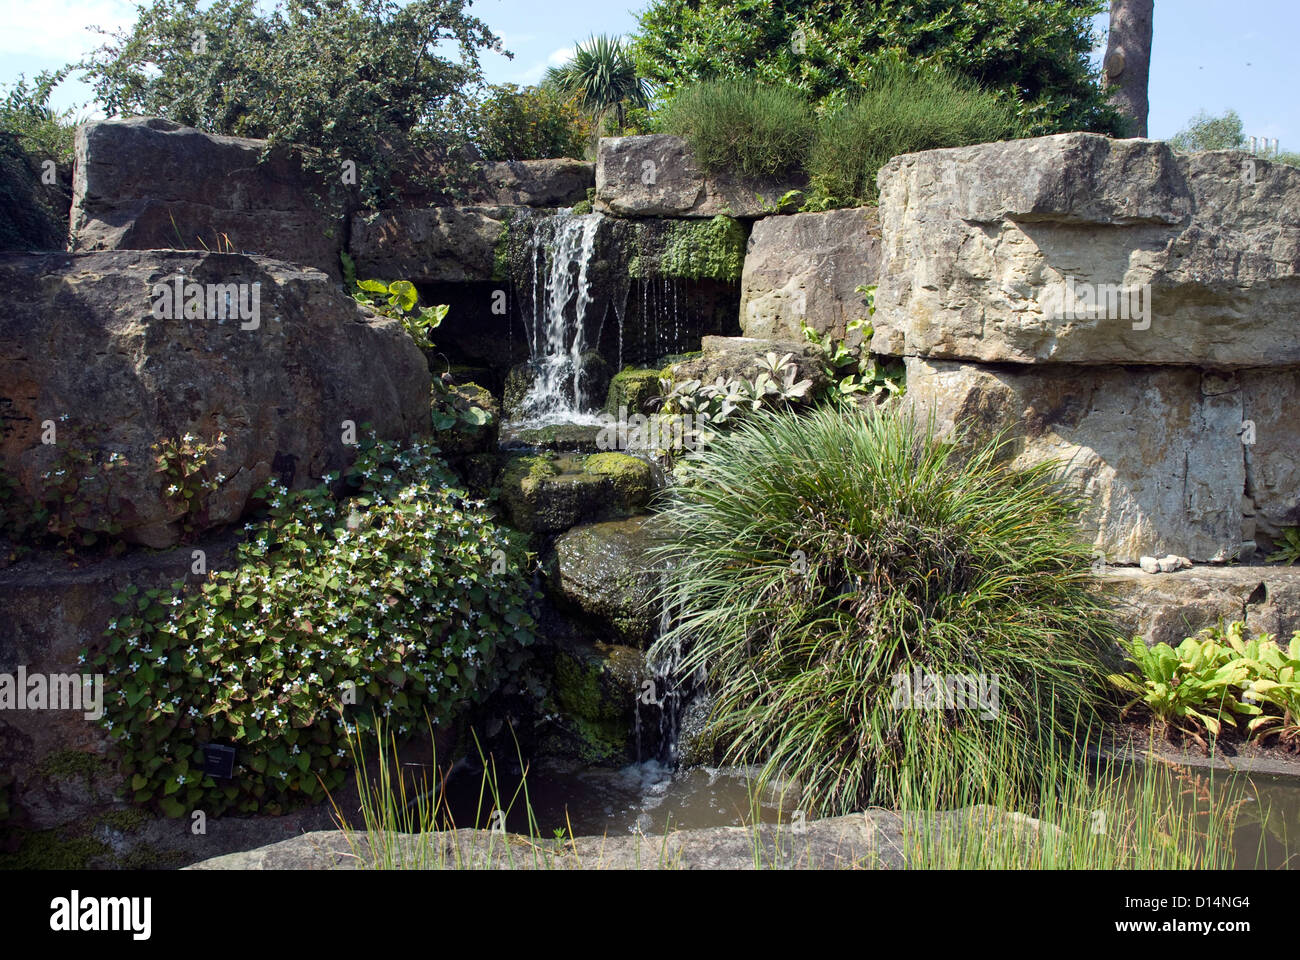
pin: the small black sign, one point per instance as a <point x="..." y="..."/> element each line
<point x="219" y="761"/>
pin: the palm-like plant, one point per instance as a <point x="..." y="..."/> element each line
<point x="602" y="78"/>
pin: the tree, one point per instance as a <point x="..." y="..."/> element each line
<point x="1128" y="61"/>
<point x="1205" y="132"/>
<point x="1034" y="53"/>
<point x="602" y="77"/>
<point x="529" y="124"/>
<point x="357" y="80"/>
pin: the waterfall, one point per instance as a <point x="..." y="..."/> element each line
<point x="561" y="252"/>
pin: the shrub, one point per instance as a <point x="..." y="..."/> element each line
<point x="820" y="560"/>
<point x="903" y="109"/>
<point x="530" y="124"/>
<point x="740" y="126"/>
<point x="404" y="596"/>
<point x="1038" y="55"/>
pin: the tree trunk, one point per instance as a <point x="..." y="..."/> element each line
<point x="1128" y="61"/>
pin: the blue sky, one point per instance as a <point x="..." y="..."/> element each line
<point x="1207" y="54"/>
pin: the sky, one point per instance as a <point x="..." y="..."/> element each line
<point x="1209" y="55"/>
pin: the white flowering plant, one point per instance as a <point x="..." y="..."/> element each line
<point x="398" y="599"/>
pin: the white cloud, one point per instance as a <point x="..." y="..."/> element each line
<point x="560" y="57"/>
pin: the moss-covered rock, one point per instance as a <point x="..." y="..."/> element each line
<point x="595" y="691"/>
<point x="605" y="570"/>
<point x="632" y="388"/>
<point x="543" y="493"/>
<point x="699" y="249"/>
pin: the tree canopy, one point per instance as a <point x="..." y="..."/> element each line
<point x="1035" y="51"/>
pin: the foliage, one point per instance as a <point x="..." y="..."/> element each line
<point x="856" y="370"/>
<point x="1179" y="685"/>
<point x="78" y="497"/>
<point x="902" y="109"/>
<point x="400" y="301"/>
<point x="1205" y="132"/>
<point x="358" y="80"/>
<point x="1219" y="672"/>
<point x="1036" y="55"/>
<point x="602" y="78"/>
<point x="532" y="123"/>
<point x="719" y="405"/>
<point x="402" y="598"/>
<point x="41" y="131"/>
<point x="183" y="464"/>
<point x="1288" y="551"/>
<point x="759" y="130"/>
<point x="820" y="559"/>
<point x="696" y="249"/>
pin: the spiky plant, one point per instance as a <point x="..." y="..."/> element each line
<point x="602" y="78"/>
<point x="820" y="559"/>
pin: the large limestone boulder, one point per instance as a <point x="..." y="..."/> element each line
<point x="537" y="183"/>
<point x="82" y="351"/>
<point x="992" y="251"/>
<point x="1271" y="439"/>
<point x="1156" y="453"/>
<point x="147" y="183"/>
<point x="807" y="267"/>
<point x="1166" y="607"/>
<point x="430" y="245"/>
<point x="657" y="176"/>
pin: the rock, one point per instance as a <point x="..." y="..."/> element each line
<point x="430" y="245"/>
<point x="49" y="611"/>
<point x="737" y="357"/>
<point x="632" y="389"/>
<point x="807" y="267"/>
<point x="983" y="242"/>
<point x="1173" y="606"/>
<point x="1271" y="439"/>
<point x="145" y="183"/>
<point x="595" y="689"/>
<point x="1154" y="451"/>
<point x="537" y="183"/>
<point x="571" y="437"/>
<point x="604" y="569"/>
<point x="1149" y="564"/>
<point x="656" y="176"/>
<point x="876" y="839"/>
<point x="548" y="494"/>
<point x="1171" y="563"/>
<point x="81" y="350"/>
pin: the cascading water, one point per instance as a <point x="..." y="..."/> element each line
<point x="560" y="254"/>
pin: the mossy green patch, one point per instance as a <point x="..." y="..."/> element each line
<point x="501" y="254"/>
<point x="632" y="478"/>
<point x="632" y="388"/>
<point x="705" y="249"/>
<point x="67" y="764"/>
<point x="594" y="700"/>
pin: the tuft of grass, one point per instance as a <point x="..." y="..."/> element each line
<point x="904" y="108"/>
<point x="738" y="126"/>
<point x="817" y="560"/>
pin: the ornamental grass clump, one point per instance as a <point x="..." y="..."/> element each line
<point x="880" y="617"/>
<point x="399" y="600"/>
<point x="738" y="126"/>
